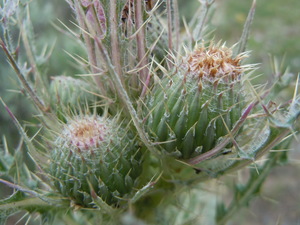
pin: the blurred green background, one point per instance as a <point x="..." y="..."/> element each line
<point x="275" y="32"/>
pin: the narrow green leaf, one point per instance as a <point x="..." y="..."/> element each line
<point x="241" y="47"/>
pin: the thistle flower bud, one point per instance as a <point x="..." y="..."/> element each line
<point x="193" y="109"/>
<point x="70" y="93"/>
<point x="94" y="155"/>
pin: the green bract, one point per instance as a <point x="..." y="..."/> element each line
<point x="95" y="157"/>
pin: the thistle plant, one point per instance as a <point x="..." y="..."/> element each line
<point x="154" y="116"/>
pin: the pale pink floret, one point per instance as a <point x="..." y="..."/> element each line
<point x="86" y="133"/>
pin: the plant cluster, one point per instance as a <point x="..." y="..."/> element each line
<point x="156" y="112"/>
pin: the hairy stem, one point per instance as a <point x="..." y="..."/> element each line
<point x="170" y="25"/>
<point x="115" y="48"/>
<point x="89" y="45"/>
<point x="197" y="33"/>
<point x="176" y="24"/>
<point x="140" y="37"/>
<point x="38" y="102"/>
<point x="125" y="98"/>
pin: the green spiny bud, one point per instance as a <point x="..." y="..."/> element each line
<point x="94" y="155"/>
<point x="68" y="93"/>
<point x="191" y="110"/>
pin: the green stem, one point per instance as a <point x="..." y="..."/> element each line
<point x="38" y="102"/>
<point x="24" y="204"/>
<point x="176" y="24"/>
<point x="197" y="33"/>
<point x="170" y="28"/>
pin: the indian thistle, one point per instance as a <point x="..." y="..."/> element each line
<point x="202" y="100"/>
<point x="95" y="156"/>
<point x="158" y="112"/>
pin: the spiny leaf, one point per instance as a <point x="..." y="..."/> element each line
<point x="31" y="149"/>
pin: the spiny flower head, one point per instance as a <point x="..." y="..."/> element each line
<point x="192" y="109"/>
<point x="96" y="155"/>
